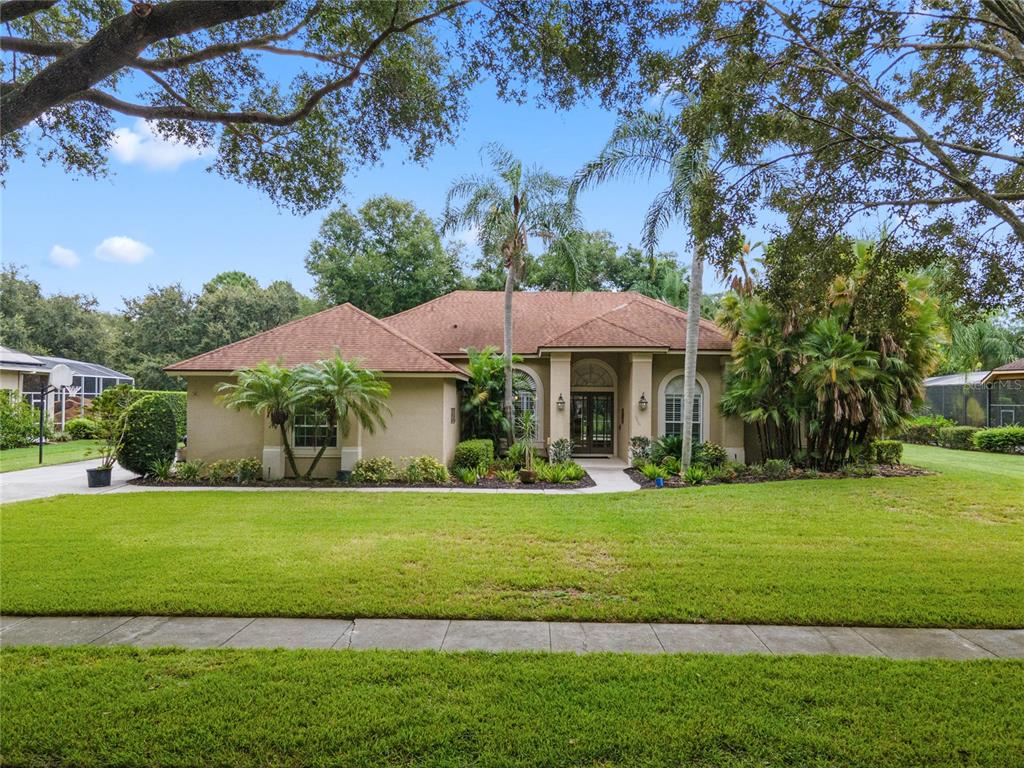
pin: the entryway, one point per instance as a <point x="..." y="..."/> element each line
<point x="593" y="423"/>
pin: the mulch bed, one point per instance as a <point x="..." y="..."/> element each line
<point x="486" y="482"/>
<point x="881" y="470"/>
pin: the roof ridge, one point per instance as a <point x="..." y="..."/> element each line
<point x="401" y="336"/>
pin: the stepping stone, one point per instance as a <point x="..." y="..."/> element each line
<point x="1005" y="643"/>
<point x="60" y="630"/>
<point x="709" y="638"/>
<point x="903" y="643"/>
<point x="180" y="631"/>
<point x="497" y="636"/>
<point x="399" y="634"/>
<point x="592" y="637"/>
<point x="291" y="633"/>
<point x="838" y="641"/>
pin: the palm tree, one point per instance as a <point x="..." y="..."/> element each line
<point x="270" y="391"/>
<point x="642" y="145"/>
<point x="344" y="392"/>
<point x="506" y="210"/>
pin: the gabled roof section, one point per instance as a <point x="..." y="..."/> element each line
<point x="456" y="321"/>
<point x="345" y="328"/>
<point x="1012" y="370"/>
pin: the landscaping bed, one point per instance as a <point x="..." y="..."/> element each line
<point x="324" y="482"/>
<point x="757" y="475"/>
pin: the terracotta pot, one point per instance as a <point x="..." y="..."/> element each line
<point x="527" y="476"/>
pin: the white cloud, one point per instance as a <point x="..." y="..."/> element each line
<point x="64" y="257"/>
<point x="123" y="250"/>
<point x="142" y="144"/>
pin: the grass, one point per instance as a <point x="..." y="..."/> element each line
<point x="941" y="550"/>
<point x="14" y="459"/>
<point x="92" y="706"/>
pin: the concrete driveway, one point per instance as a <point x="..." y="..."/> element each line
<point x="53" y="480"/>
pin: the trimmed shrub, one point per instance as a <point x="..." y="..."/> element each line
<point x="375" y="471"/>
<point x="470" y="454"/>
<point x="149" y="435"/>
<point x="1000" y="439"/>
<point x="924" y="430"/>
<point x="19" y="421"/>
<point x="82" y="428"/>
<point x="428" y="470"/>
<point x="219" y="471"/>
<point x="119" y="398"/>
<point x="710" y="455"/>
<point x="560" y="450"/>
<point x="958" y="438"/>
<point x="249" y="471"/>
<point x="887" y="452"/>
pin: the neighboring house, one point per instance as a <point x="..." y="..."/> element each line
<point x="1006" y="394"/>
<point x="604" y="367"/>
<point x="30" y="374"/>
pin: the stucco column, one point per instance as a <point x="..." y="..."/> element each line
<point x="274" y="463"/>
<point x="733" y="437"/>
<point x="641" y="383"/>
<point x="560" y="380"/>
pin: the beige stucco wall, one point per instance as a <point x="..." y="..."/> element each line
<point x="419" y="424"/>
<point x="215" y="432"/>
<point x="10" y="380"/>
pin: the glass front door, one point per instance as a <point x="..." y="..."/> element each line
<point x="593" y="419"/>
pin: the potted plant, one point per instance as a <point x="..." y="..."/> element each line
<point x="527" y="428"/>
<point x="110" y="431"/>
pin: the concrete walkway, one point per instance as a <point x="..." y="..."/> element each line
<point x="55" y="479"/>
<point x="445" y="635"/>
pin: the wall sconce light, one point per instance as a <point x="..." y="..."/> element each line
<point x="643" y="401"/>
<point x="560" y="402"/>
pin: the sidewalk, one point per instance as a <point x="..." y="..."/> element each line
<point x="455" y="635"/>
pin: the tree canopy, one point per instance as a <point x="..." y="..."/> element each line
<point x="385" y="258"/>
<point x="836" y="114"/>
<point x="291" y="95"/>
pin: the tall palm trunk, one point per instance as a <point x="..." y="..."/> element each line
<point x="690" y="359"/>
<point x="507" y="405"/>
<point x="288" y="453"/>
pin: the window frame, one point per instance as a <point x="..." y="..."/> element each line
<point x="299" y="422"/>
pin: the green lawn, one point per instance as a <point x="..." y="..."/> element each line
<point x="53" y="453"/>
<point x="946" y="549"/>
<point x="92" y="706"/>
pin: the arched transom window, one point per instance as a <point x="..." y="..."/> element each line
<point x="673" y="406"/>
<point x="592" y="374"/>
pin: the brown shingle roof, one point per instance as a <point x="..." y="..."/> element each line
<point x="356" y="334"/>
<point x="551" y="319"/>
<point x="1008" y="371"/>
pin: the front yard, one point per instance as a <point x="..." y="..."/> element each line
<point x="946" y="549"/>
<point x="54" y="453"/>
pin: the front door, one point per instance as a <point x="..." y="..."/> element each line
<point x="592" y="422"/>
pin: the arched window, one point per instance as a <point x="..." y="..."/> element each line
<point x="526" y="399"/>
<point x="673" y="409"/>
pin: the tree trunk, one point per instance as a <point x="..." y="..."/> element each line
<point x="507" y="406"/>
<point x="288" y="449"/>
<point x="690" y="357"/>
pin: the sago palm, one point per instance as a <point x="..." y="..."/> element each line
<point x="650" y="144"/>
<point x="346" y="394"/>
<point x="507" y="210"/>
<point x="269" y="391"/>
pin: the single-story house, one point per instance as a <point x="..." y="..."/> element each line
<point x="29" y="375"/>
<point x="603" y="368"/>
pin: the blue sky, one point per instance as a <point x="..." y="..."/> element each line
<point x="157" y="219"/>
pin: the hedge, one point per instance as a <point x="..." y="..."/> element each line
<point x="124" y="395"/>
<point x="960" y="438"/>
<point x="149" y="435"/>
<point x="887" y="452"/>
<point x="1000" y="439"/>
<point x="19" y="421"/>
<point x="924" y="430"/>
<point x="470" y="454"/>
<point x="82" y="428"/>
